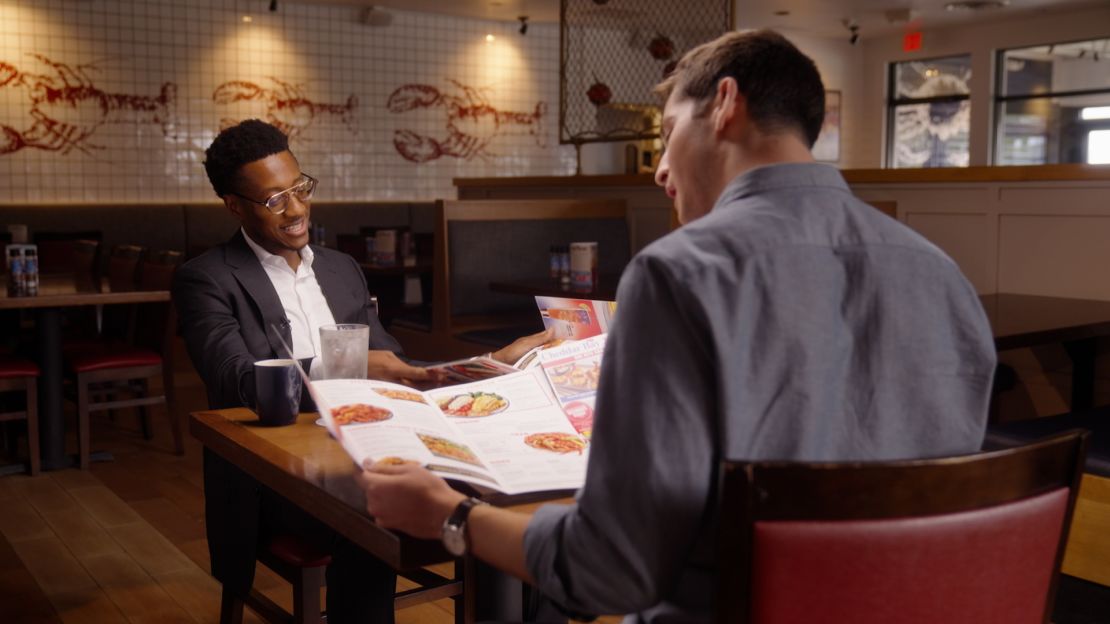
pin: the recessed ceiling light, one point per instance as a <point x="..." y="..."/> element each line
<point x="489" y="38"/>
<point x="976" y="5"/>
<point x="247" y="19"/>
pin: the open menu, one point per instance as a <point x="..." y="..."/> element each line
<point x="508" y="433"/>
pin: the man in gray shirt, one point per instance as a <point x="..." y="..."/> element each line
<point x="784" y="320"/>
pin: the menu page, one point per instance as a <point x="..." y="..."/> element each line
<point x="508" y="433"/>
<point x="576" y="319"/>
<point x="471" y="369"/>
<point x="573" y="370"/>
<point x="379" y="422"/>
<point x="515" y="423"/>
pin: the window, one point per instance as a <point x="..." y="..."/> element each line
<point x="1053" y="104"/>
<point x="928" y="113"/>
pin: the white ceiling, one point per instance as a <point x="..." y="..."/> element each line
<point x="820" y="17"/>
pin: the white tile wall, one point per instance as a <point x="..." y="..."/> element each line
<point x="86" y="114"/>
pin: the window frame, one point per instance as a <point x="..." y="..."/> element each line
<point x="999" y="101"/>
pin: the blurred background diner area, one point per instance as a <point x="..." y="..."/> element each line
<point x="459" y="146"/>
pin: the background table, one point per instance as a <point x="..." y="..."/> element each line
<point x="1019" y="321"/>
<point x="55" y="293"/>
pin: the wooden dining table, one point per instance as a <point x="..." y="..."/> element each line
<point x="305" y="465"/>
<point x="57" y="292"/>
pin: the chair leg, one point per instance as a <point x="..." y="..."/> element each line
<point x="306" y="595"/>
<point x="144" y="411"/>
<point x="171" y="408"/>
<point x="83" y="420"/>
<point x="33" y="424"/>
<point x="231" y="608"/>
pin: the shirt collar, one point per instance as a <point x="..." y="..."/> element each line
<point x="782" y="176"/>
<point x="265" y="257"/>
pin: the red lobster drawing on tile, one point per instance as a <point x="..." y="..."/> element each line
<point x="286" y="107"/>
<point x="472" y="123"/>
<point x="68" y="108"/>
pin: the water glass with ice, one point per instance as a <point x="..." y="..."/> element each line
<point x="344" y="350"/>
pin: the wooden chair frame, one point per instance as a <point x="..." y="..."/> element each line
<point x="29" y="385"/>
<point x="778" y="491"/>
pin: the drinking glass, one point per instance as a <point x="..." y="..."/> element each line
<point x="344" y="350"/>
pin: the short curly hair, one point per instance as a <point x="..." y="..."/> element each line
<point x="238" y="145"/>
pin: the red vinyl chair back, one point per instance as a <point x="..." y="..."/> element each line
<point x="976" y="538"/>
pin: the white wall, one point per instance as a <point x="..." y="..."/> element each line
<point x="839" y="63"/>
<point x="982" y="41"/>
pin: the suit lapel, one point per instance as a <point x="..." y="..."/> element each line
<point x="336" y="292"/>
<point x="252" y="277"/>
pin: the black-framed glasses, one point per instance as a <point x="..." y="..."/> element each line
<point x="278" y="202"/>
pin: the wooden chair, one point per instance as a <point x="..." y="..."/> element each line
<point x="19" y="375"/>
<point x="56" y="249"/>
<point x="480" y="241"/>
<point x="977" y="538"/>
<point x="108" y="369"/>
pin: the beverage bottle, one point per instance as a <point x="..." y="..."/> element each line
<point x="15" y="273"/>
<point x="31" y="272"/>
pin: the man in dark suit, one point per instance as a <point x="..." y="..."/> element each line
<point x="228" y="300"/>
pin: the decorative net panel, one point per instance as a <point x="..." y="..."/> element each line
<point x="612" y="52"/>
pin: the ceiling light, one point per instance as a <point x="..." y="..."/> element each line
<point x="273" y="6"/>
<point x="523" y="24"/>
<point x="489" y="38"/>
<point x="247" y="19"/>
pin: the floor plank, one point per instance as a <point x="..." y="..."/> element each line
<point x="91" y="606"/>
<point x="48" y="497"/>
<point x="133" y="591"/>
<point x="21" y="598"/>
<point x="149" y="548"/>
<point x="107" y="508"/>
<point x="21" y="522"/>
<point x="81" y="534"/>
<point x="53" y="567"/>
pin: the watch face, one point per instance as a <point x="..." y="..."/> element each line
<point x="454" y="540"/>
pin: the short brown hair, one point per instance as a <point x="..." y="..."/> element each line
<point x="782" y="86"/>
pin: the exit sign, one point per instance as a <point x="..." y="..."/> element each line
<point x="911" y="41"/>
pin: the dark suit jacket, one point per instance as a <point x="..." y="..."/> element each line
<point x="226" y="305"/>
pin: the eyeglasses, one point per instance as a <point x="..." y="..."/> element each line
<point x="278" y="202"/>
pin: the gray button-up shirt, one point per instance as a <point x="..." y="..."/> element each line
<point x="791" y="322"/>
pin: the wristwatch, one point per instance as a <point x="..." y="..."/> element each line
<point x="454" y="536"/>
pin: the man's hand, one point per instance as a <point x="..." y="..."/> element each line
<point x="408" y="498"/>
<point x="520" y="346"/>
<point x="386" y="366"/>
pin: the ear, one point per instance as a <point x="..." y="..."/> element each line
<point x="231" y="204"/>
<point x="729" y="105"/>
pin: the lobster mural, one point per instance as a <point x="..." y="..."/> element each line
<point x="67" y="108"/>
<point x="472" y="123"/>
<point x="287" y="108"/>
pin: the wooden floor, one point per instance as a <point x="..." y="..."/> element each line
<point x="125" y="541"/>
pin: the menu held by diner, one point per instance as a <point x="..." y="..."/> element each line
<point x="517" y="431"/>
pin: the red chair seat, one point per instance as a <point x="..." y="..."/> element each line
<point x="12" y="367"/>
<point x="298" y="553"/>
<point x="88" y="360"/>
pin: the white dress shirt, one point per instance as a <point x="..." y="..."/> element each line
<point x="301" y="298"/>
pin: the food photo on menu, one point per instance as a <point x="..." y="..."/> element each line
<point x="508" y="433"/>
